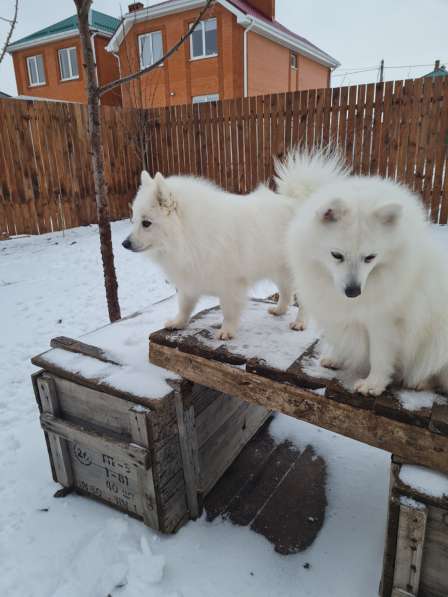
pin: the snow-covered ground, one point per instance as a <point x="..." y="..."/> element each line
<point x="73" y="547"/>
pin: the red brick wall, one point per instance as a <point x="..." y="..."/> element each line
<point x="54" y="88"/>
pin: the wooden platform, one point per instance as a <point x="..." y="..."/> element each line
<point x="268" y="479"/>
<point x="272" y="366"/>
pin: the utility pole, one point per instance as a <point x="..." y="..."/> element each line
<point x="382" y="70"/>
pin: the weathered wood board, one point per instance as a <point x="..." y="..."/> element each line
<point x="416" y="555"/>
<point x="274" y="367"/>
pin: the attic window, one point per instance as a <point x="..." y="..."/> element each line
<point x="294" y="60"/>
<point x="68" y="64"/>
<point x="203" y="40"/>
<point x="150" y="47"/>
<point x="36" y="75"/>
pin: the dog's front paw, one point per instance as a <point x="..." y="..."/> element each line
<point x="330" y="363"/>
<point x="277" y="310"/>
<point x="370" y="386"/>
<point x="298" y="326"/>
<point x="225" y="334"/>
<point x="175" y="324"/>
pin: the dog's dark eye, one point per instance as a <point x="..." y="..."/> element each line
<point x="338" y="256"/>
<point x="146" y="223"/>
<point x="369" y="258"/>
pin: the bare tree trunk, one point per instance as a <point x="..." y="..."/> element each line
<point x="12" y="23"/>
<point x="93" y="105"/>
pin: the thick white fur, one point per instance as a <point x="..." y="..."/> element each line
<point x="397" y="328"/>
<point x="210" y="242"/>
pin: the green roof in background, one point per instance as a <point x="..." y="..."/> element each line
<point x="100" y="21"/>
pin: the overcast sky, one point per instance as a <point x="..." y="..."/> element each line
<point x="356" y="32"/>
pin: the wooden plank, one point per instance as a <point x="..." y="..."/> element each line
<point x="300" y="497"/>
<point x="288" y="121"/>
<point x="410" y="541"/>
<point x="256" y="493"/>
<point x="439" y="419"/>
<point x="358" y="131"/>
<point x="304" y="116"/>
<point x="404" y="129"/>
<point x="434" y="159"/>
<point x="334" y="110"/>
<point x="246" y="165"/>
<point x="60" y="454"/>
<point x="422" y="138"/>
<point x="434" y="577"/>
<point x="223" y="447"/>
<point x="267" y="137"/>
<point x="418" y="444"/>
<point x="319" y="116"/>
<point x="96" y="384"/>
<point x="140" y="433"/>
<point x="367" y="130"/>
<point x="327" y="114"/>
<point x="190" y="453"/>
<point x="209" y="420"/>
<point x="350" y="129"/>
<point x="79" y="347"/>
<point x="135" y="455"/>
<point x="376" y="131"/>
<point x="296" y="115"/>
<point x="414" y="123"/>
<point x="253" y="143"/>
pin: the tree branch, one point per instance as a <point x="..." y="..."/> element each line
<point x="143" y="71"/>
<point x="11" y="29"/>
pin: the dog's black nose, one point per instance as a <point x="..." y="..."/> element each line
<point x="126" y="243"/>
<point x="352" y="291"/>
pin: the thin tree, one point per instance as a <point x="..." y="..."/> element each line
<point x="94" y="92"/>
<point x="12" y="23"/>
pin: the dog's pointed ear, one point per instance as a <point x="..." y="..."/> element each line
<point x="332" y="212"/>
<point x="164" y="195"/>
<point x="389" y="214"/>
<point x="145" y="178"/>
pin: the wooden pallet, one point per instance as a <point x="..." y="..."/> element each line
<point x="271" y="366"/>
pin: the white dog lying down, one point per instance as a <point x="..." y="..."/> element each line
<point x="371" y="274"/>
<point x="210" y="242"/>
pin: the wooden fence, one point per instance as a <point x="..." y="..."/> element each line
<point x="397" y="129"/>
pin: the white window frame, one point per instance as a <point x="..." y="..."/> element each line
<point x="140" y="52"/>
<point x="72" y="77"/>
<point x="201" y="25"/>
<point x="203" y="99"/>
<point x="33" y="59"/>
<point x="297" y="60"/>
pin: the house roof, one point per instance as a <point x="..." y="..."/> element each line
<point x="99" y="21"/>
<point x="246" y="14"/>
<point x="440" y="71"/>
<point x="4" y="95"/>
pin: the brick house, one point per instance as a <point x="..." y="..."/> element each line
<point x="48" y="63"/>
<point x="239" y="49"/>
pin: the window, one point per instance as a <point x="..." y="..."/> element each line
<point x="202" y="99"/>
<point x="203" y="40"/>
<point x="150" y="47"/>
<point x="68" y="64"/>
<point x="36" y="75"/>
<point x="293" y="60"/>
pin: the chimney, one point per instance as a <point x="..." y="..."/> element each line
<point x="136" y="6"/>
<point x="266" y="7"/>
<point x="437" y="65"/>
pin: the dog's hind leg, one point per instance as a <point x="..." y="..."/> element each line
<point x="232" y="304"/>
<point x="186" y="303"/>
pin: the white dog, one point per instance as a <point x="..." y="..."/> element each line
<point x="371" y="274"/>
<point x="210" y="242"/>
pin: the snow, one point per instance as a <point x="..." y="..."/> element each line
<point x="425" y="480"/>
<point x="256" y="327"/>
<point x="52" y="286"/>
<point x="412" y="400"/>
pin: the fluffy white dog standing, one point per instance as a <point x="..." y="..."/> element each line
<point x="371" y="274"/>
<point x="210" y="242"/>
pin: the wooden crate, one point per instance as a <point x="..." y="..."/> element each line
<point x="153" y="456"/>
<point x="416" y="552"/>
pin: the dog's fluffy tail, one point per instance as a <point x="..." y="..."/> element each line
<point x="302" y="172"/>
